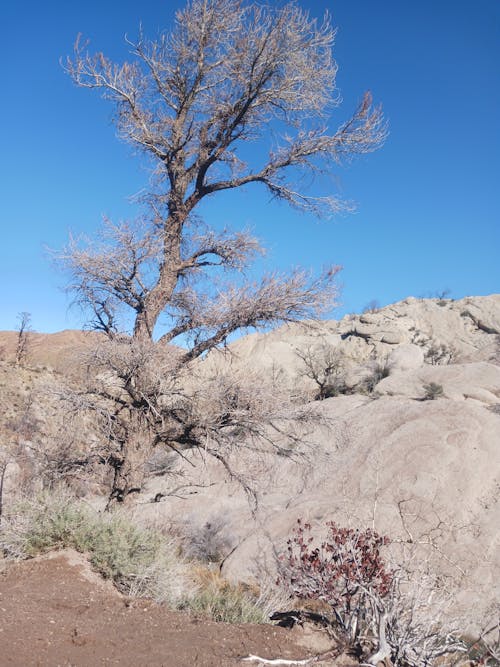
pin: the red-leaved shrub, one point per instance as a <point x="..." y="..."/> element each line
<point x="345" y="569"/>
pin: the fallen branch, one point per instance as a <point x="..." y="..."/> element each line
<point x="279" y="661"/>
<point x="330" y="654"/>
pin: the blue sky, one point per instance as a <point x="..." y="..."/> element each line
<point x="428" y="214"/>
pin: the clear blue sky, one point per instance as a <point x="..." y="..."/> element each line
<point x="428" y="213"/>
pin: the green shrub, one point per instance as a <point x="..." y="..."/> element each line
<point x="140" y="562"/>
<point x="432" y="391"/>
<point x="377" y="370"/>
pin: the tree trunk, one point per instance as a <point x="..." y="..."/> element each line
<point x="130" y="464"/>
<point x="161" y="294"/>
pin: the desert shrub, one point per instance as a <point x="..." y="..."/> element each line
<point x="495" y="408"/>
<point x="418" y="624"/>
<point x="381" y="612"/>
<point x="495" y="355"/>
<point x="49" y="523"/>
<point x="62" y="460"/>
<point x="208" y="542"/>
<point x="440" y="354"/>
<point x="119" y="550"/>
<point x="51" y="447"/>
<point x="161" y="463"/>
<point x="443" y="297"/>
<point x="372" y="306"/>
<point x="220" y="600"/>
<point x="377" y="370"/>
<point x="140" y="562"/>
<point x="432" y="391"/>
<point x="485" y="649"/>
<point x="343" y="570"/>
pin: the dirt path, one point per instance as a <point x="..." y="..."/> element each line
<point x="55" y="612"/>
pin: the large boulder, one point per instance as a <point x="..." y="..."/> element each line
<point x="406" y="357"/>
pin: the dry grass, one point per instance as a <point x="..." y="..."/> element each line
<point x="141" y="562"/>
<point x="224" y="601"/>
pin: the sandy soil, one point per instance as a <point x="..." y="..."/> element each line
<point x="55" y="612"/>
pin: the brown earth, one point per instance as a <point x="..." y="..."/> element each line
<point x="56" y="612"/>
<point x="57" y="350"/>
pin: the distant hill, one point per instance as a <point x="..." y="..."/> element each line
<point x="55" y="350"/>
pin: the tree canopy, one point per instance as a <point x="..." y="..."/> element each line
<point x="228" y="75"/>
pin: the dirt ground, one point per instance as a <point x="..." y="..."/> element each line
<point x="56" y="612"/>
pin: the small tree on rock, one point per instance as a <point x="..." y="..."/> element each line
<point x="229" y="73"/>
<point x="325" y="365"/>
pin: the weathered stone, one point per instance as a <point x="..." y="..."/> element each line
<point x="406" y="357"/>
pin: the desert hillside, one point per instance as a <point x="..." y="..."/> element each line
<point x="56" y="351"/>
<point x="402" y="435"/>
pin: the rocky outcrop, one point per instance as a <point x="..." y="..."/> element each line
<point x="404" y="336"/>
<point x="414" y="455"/>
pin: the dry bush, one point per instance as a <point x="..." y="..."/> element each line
<point x="495" y="356"/>
<point x="161" y="462"/>
<point x="223" y="601"/>
<point x="484" y="648"/>
<point x="440" y="354"/>
<point x="325" y="366"/>
<point x="208" y="542"/>
<point x="19" y="427"/>
<point x="376" y="370"/>
<point x="419" y="624"/>
<point x="45" y="444"/>
<point x="227" y="602"/>
<point x="372" y="307"/>
<point x="382" y="612"/>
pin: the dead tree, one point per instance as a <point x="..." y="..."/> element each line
<point x="325" y="365"/>
<point x="228" y="73"/>
<point x="23" y="334"/>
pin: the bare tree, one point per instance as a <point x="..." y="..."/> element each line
<point x="23" y="333"/>
<point x="229" y="73"/>
<point x="325" y="365"/>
